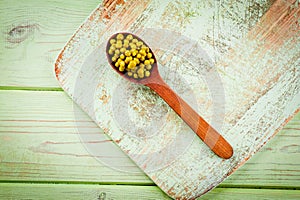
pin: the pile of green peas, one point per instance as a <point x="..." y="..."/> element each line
<point x="130" y="56"/>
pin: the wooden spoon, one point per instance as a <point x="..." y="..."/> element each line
<point x="206" y="133"/>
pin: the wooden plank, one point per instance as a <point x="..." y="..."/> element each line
<point x="33" y="32"/>
<point x="276" y="164"/>
<point x="40" y="142"/>
<point x="107" y="192"/>
<point x="237" y="194"/>
<point x="71" y="191"/>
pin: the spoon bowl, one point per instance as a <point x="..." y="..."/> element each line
<point x="154" y="70"/>
<point x="146" y="73"/>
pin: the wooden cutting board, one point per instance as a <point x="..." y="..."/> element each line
<point x="239" y="73"/>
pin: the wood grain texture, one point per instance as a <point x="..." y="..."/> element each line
<point x="32" y="33"/>
<point x="258" y="102"/>
<point x="104" y="192"/>
<point x="65" y="191"/>
<point x="236" y="194"/>
<point x="40" y="141"/>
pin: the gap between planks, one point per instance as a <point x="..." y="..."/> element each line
<point x="56" y="89"/>
<point x="263" y="187"/>
<point x="78" y="182"/>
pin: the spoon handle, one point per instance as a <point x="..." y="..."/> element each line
<point x="207" y="133"/>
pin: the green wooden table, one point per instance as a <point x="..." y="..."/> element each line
<point x="41" y="154"/>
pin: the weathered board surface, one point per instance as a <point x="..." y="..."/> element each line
<point x="44" y="121"/>
<point x="260" y="86"/>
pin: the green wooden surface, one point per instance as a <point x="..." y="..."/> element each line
<point x="41" y="154"/>
<point x="104" y="192"/>
<point x="32" y="33"/>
